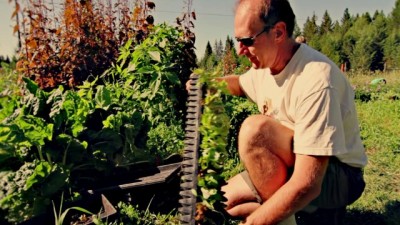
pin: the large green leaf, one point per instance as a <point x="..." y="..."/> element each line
<point x="76" y="110"/>
<point x="67" y="149"/>
<point x="172" y="77"/>
<point x="102" y="97"/>
<point x="56" y="101"/>
<point x="54" y="181"/>
<point x="155" y="55"/>
<point x="42" y="170"/>
<point x="30" y="85"/>
<point x="107" y="141"/>
<point x="35" y="129"/>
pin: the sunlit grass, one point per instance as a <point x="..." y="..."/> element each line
<point x="358" y="79"/>
<point x="380" y="131"/>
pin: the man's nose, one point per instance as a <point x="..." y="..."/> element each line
<point x="243" y="50"/>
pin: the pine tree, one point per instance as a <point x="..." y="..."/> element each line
<point x="392" y="51"/>
<point x="207" y="53"/>
<point x="379" y="34"/>
<point x="218" y="49"/>
<point x="346" y="17"/>
<point x="361" y="49"/>
<point x="336" y="27"/>
<point x="229" y="44"/>
<point x="296" y="31"/>
<point x="311" y="32"/>
<point x="346" y="21"/>
<point x="392" y="43"/>
<point x="395" y="16"/>
<point x="367" y="17"/>
<point x="229" y="60"/>
<point x="326" y="24"/>
<point x="376" y="14"/>
<point x="310" y="28"/>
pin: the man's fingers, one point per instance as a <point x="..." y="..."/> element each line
<point x="188" y="85"/>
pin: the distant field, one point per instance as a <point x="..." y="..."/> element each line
<point x="380" y="130"/>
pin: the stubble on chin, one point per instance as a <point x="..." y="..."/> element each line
<point x="255" y="63"/>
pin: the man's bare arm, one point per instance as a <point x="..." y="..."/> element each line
<point x="232" y="84"/>
<point x="303" y="186"/>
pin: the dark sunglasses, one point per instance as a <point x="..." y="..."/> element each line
<point x="249" y="41"/>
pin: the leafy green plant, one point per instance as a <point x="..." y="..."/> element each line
<point x="131" y="214"/>
<point x="214" y="130"/>
<point x="59" y="216"/>
<point x="9" y="90"/>
<point x="74" y="138"/>
<point x="165" y="138"/>
<point x="238" y="109"/>
<point x="153" y="73"/>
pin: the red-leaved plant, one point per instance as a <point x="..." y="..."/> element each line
<point x="67" y="43"/>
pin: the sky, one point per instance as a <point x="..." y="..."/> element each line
<point x="215" y="17"/>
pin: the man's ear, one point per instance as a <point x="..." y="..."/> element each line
<point x="278" y="33"/>
<point x="280" y="30"/>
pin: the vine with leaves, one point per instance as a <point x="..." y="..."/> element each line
<point x="214" y="131"/>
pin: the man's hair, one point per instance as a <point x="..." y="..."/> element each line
<point x="273" y="11"/>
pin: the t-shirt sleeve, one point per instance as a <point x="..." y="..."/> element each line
<point x="246" y="83"/>
<point x="318" y="129"/>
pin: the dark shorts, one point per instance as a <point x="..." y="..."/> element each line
<point x="342" y="185"/>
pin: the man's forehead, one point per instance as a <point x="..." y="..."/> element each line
<point x="247" y="19"/>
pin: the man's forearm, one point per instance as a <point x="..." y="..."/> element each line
<point x="282" y="204"/>
<point x="232" y="84"/>
<point x="303" y="186"/>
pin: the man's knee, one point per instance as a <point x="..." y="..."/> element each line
<point x="252" y="126"/>
<point x="260" y="134"/>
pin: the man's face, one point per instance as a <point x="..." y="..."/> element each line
<point x="255" y="41"/>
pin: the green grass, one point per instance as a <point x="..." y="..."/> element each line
<point x="361" y="79"/>
<point x="379" y="121"/>
<point x="380" y="130"/>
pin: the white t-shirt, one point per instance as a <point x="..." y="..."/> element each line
<point x="312" y="97"/>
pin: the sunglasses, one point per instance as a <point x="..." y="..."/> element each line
<point x="249" y="41"/>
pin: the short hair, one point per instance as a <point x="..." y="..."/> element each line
<point x="273" y="11"/>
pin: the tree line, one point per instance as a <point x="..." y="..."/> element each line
<point x="357" y="42"/>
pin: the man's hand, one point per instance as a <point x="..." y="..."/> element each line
<point x="302" y="187"/>
<point x="188" y="85"/>
<point x="232" y="84"/>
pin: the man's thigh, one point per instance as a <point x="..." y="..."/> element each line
<point x="342" y="185"/>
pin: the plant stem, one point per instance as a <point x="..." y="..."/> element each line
<point x="40" y="153"/>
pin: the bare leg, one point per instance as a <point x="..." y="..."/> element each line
<point x="241" y="200"/>
<point x="265" y="147"/>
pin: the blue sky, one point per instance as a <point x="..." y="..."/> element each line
<point x="215" y="17"/>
